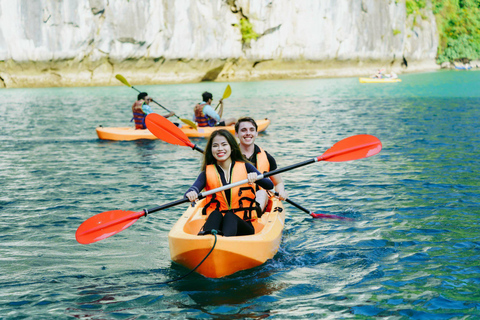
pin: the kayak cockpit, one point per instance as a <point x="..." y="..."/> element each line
<point x="197" y="220"/>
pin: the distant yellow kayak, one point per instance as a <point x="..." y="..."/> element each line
<point x="378" y="80"/>
<point x="129" y="133"/>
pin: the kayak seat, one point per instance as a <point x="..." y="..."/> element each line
<point x="194" y="226"/>
<point x="260" y="223"/>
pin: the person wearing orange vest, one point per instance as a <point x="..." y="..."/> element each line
<point x="246" y="132"/>
<point x="232" y="211"/>
<point x="141" y="109"/>
<point x="206" y="116"/>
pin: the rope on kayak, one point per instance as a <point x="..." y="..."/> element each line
<point x="214" y="232"/>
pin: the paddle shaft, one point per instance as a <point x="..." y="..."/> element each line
<point x="195" y="147"/>
<point x="313" y="214"/>
<point x="323" y="157"/>
<point x="296" y="205"/>
<point x="217" y="106"/>
<point x="226" y="94"/>
<point x="229" y="186"/>
<point x="363" y="146"/>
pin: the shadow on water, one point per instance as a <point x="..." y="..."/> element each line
<point x="224" y="298"/>
<point x="235" y="289"/>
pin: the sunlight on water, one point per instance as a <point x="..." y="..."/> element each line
<point x="410" y="253"/>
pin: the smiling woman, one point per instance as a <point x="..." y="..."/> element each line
<point x="230" y="212"/>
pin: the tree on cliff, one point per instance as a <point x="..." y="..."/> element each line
<point x="459" y="29"/>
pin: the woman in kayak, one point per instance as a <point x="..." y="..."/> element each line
<point x="232" y="211"/>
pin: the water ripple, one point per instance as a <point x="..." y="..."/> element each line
<point x="410" y="253"/>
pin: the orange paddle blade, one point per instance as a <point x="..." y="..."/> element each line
<point x="352" y="148"/>
<point x="167" y="131"/>
<point x="105" y="224"/>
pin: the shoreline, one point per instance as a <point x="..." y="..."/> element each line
<point x="155" y="71"/>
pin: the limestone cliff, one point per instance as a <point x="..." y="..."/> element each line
<point x="86" y="42"/>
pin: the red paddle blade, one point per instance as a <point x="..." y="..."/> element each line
<point x="352" y="148"/>
<point x="105" y="224"/>
<point x="164" y="130"/>
<point x="328" y="216"/>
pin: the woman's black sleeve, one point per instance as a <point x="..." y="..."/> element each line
<point x="199" y="184"/>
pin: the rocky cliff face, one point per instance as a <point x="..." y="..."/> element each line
<point x="86" y="42"/>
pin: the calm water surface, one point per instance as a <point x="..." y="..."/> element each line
<point x="412" y="251"/>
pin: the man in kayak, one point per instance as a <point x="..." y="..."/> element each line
<point x="246" y="131"/>
<point x="141" y="108"/>
<point x="205" y="115"/>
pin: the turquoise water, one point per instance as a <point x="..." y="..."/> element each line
<point x="412" y="251"/>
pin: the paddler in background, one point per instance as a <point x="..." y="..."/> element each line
<point x="141" y="109"/>
<point x="246" y="131"/>
<point x="232" y="211"/>
<point x="205" y="115"/>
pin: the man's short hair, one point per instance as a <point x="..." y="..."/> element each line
<point x="206" y="95"/>
<point x="142" y="95"/>
<point x="245" y="119"/>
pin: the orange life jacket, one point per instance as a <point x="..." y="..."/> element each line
<point x="262" y="161"/>
<point x="139" y="115"/>
<point x="242" y="198"/>
<point x="262" y="164"/>
<point x="201" y="119"/>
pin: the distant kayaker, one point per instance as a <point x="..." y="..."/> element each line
<point x="231" y="211"/>
<point x="141" y="109"/>
<point x="205" y="115"/>
<point x="246" y="131"/>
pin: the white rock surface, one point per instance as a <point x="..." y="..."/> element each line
<point x="188" y="38"/>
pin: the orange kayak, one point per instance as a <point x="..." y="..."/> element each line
<point x="128" y="133"/>
<point x="231" y="254"/>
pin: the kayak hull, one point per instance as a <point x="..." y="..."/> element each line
<point x="231" y="254"/>
<point x="378" y="80"/>
<point x="129" y="134"/>
<point x="123" y="134"/>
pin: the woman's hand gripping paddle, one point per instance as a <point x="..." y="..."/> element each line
<point x="106" y="224"/>
<point x="125" y="82"/>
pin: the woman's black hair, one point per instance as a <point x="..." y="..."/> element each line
<point x="236" y="154"/>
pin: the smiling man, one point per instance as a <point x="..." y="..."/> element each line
<point x="246" y="131"/>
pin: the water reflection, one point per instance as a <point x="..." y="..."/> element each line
<point x="412" y="250"/>
<point x="236" y="289"/>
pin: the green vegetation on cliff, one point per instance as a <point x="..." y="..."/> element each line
<point x="459" y="29"/>
<point x="246" y="29"/>
<point x="458" y="23"/>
